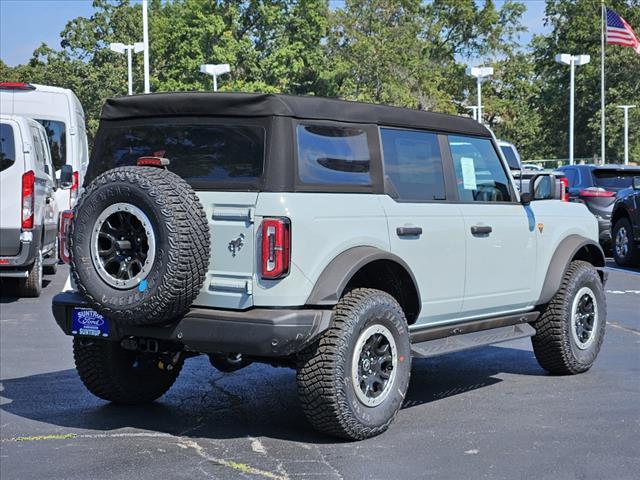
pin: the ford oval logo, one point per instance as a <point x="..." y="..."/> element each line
<point x="91" y="322"/>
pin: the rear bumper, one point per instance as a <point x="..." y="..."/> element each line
<point x="259" y="332"/>
<point x="16" y="266"/>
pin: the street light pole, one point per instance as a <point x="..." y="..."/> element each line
<point x="480" y="73"/>
<point x="626" y="131"/>
<point x="214" y="71"/>
<point x="145" y="41"/>
<point x="130" y="69"/>
<point x="572" y="61"/>
<point x="474" y="111"/>
<point x="129" y="50"/>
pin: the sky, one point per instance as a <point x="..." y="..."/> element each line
<point x="24" y="24"/>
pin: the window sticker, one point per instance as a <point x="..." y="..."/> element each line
<point x="468" y="173"/>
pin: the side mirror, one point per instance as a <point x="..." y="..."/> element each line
<point x="542" y="186"/>
<point x="66" y="177"/>
<point x="525" y="198"/>
<point x="636" y="183"/>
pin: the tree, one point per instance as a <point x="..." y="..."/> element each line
<point x="576" y="29"/>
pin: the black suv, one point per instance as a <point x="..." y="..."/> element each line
<point x="625" y="222"/>
<point x="596" y="186"/>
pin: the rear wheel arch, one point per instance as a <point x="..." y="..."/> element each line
<point x="573" y="247"/>
<point x="368" y="267"/>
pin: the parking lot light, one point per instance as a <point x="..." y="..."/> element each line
<point x="122" y="48"/>
<point x="626" y="131"/>
<point x="572" y="61"/>
<point x="480" y="73"/>
<point x="214" y="71"/>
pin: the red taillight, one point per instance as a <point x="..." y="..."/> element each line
<point x="276" y="247"/>
<point x="28" y="185"/>
<point x="63" y="234"/>
<point x="73" y="191"/>
<point x="16" y="86"/>
<point x="564" y="185"/>
<point x="152" y="162"/>
<point x="596" y="192"/>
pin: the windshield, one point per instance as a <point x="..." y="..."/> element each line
<point x="56" y="133"/>
<point x="201" y="154"/>
<point x="614" y="180"/>
<point x="510" y="155"/>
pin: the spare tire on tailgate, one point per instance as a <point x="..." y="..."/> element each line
<point x="139" y="245"/>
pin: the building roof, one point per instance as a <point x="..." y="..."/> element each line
<point x="265" y="105"/>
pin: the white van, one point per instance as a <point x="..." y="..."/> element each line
<point x="59" y="111"/>
<point x="28" y="209"/>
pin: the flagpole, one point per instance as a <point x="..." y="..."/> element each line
<point x="602" y="119"/>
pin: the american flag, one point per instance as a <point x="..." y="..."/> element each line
<point x="620" y="32"/>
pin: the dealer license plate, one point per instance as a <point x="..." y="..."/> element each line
<point x="89" y="323"/>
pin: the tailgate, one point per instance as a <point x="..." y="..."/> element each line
<point x="232" y="261"/>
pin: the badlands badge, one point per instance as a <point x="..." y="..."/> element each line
<point x="540" y="227"/>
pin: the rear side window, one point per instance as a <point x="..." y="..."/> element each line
<point x="612" y="180"/>
<point x="38" y="148"/>
<point x="510" y="156"/>
<point x="413" y="164"/>
<point x="479" y="171"/>
<point x="201" y="154"/>
<point x="333" y="155"/>
<point x="7" y="147"/>
<point x="57" y="135"/>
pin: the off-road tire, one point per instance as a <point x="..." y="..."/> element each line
<point x="632" y="258"/>
<point x="325" y="388"/>
<point x="32" y="285"/>
<point x="107" y="370"/>
<point x="553" y="344"/>
<point x="182" y="245"/>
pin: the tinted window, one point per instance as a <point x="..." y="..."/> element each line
<point x="56" y="132"/>
<point x="413" y="164"/>
<point x="333" y="155"/>
<point x="510" y="156"/>
<point x="7" y="146"/>
<point x="479" y="171"/>
<point x="572" y="176"/>
<point x="198" y="153"/>
<point x="612" y="180"/>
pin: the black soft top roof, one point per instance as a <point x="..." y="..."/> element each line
<point x="265" y="105"/>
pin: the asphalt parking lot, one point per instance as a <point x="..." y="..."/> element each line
<point x="488" y="413"/>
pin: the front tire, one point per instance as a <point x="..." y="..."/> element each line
<point x="570" y="329"/>
<point x="353" y="379"/>
<point x="626" y="252"/>
<point x="121" y="376"/>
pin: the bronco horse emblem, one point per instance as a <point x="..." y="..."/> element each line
<point x="236" y="245"/>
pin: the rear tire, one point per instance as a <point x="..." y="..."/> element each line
<point x="32" y="285"/>
<point x="121" y="376"/>
<point x="570" y="329"/>
<point x="353" y="379"/>
<point x="626" y="252"/>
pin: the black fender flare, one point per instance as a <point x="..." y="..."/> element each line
<point x="336" y="275"/>
<point x="565" y="252"/>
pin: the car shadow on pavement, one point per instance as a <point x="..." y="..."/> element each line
<point x="256" y="401"/>
<point x="9" y="290"/>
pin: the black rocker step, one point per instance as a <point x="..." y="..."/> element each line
<point x="466" y="341"/>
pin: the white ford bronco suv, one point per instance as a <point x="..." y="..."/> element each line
<point x="341" y="239"/>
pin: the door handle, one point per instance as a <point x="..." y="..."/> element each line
<point x="481" y="230"/>
<point x="409" y="231"/>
